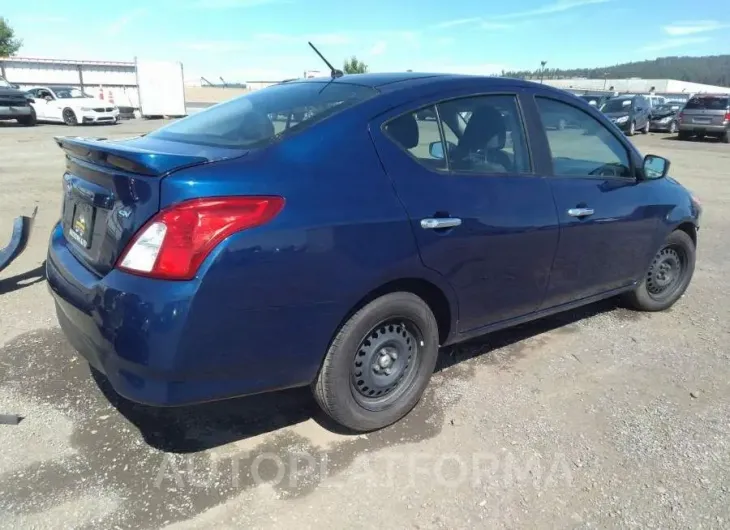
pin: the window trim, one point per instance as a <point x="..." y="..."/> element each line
<point x="632" y="167"/>
<point x="515" y="94"/>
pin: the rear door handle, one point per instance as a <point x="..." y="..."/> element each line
<point x="441" y="222"/>
<point x="580" y="212"/>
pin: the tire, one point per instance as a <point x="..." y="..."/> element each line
<point x="69" y="117"/>
<point x="632" y="129"/>
<point x="646" y="128"/>
<point x="683" y="135"/>
<point x="562" y="124"/>
<point x="355" y="387"/>
<point x="662" y="285"/>
<point x="29" y="121"/>
<point x="725" y="138"/>
<point x="672" y="127"/>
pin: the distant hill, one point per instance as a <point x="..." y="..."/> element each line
<point x="710" y="70"/>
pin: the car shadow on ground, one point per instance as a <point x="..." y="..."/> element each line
<point x="707" y="139"/>
<point x="195" y="428"/>
<point x="24" y="279"/>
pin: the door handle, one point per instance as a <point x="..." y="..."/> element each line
<point x="440" y="222"/>
<point x="580" y="212"/>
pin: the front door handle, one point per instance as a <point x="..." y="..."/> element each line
<point x="440" y="222"/>
<point x="580" y="212"/>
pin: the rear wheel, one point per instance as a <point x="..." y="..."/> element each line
<point x="683" y="135"/>
<point x="672" y="128"/>
<point x="379" y="363"/>
<point x="632" y="129"/>
<point x="69" y="117"/>
<point x="725" y="138"/>
<point x="30" y="120"/>
<point x="668" y="276"/>
<point x="646" y="128"/>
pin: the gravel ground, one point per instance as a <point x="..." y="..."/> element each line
<point x="596" y="418"/>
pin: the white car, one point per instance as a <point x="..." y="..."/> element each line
<point x="71" y="106"/>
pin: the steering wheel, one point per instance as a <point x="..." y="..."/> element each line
<point x="608" y="170"/>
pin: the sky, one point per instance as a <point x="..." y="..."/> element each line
<point x="247" y="40"/>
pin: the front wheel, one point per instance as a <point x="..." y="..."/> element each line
<point x="668" y="276"/>
<point x="632" y="129"/>
<point x="672" y="128"/>
<point x="379" y="363"/>
<point x="646" y="128"/>
<point x="69" y="117"/>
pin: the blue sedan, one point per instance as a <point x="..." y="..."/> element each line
<point x="337" y="232"/>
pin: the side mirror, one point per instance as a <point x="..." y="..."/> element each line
<point x="655" y="167"/>
<point x="15" y="86"/>
<point x="436" y="149"/>
<point x="48" y="98"/>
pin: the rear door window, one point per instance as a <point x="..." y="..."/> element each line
<point x="263" y="116"/>
<point x="708" y="103"/>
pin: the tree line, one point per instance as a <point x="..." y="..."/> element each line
<point x="709" y="70"/>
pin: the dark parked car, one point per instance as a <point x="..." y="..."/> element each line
<point x="629" y="113"/>
<point x="706" y="115"/>
<point x="15" y="105"/>
<point x="218" y="256"/>
<point x="664" y="117"/>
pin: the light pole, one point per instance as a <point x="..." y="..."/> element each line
<point x="542" y="70"/>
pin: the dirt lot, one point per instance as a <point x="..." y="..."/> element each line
<point x="597" y="418"/>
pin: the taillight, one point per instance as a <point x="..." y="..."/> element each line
<point x="727" y="116"/>
<point x="176" y="241"/>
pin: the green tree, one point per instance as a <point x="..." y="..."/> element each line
<point x="354" y="66"/>
<point x="9" y="45"/>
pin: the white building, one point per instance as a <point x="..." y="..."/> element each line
<point x="116" y="81"/>
<point x="636" y="85"/>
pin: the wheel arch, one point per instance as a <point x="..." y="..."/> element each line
<point x="441" y="304"/>
<point x="690" y="229"/>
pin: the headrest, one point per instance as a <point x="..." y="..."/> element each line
<point x="404" y="130"/>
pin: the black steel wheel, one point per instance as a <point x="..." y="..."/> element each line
<point x="385" y="363"/>
<point x="379" y="363"/>
<point x="668" y="276"/>
<point x="69" y="117"/>
<point x="666" y="272"/>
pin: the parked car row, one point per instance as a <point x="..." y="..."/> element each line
<point x="60" y="104"/>
<point x="702" y="115"/>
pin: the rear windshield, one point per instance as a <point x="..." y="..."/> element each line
<point x="708" y="103"/>
<point x="265" y="115"/>
<point x="617" y="105"/>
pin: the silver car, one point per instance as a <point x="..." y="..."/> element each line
<point x="706" y="115"/>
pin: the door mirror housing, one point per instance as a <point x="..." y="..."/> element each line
<point x="436" y="149"/>
<point x="655" y="167"/>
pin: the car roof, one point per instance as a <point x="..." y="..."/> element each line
<point x="375" y="80"/>
<point x="388" y="82"/>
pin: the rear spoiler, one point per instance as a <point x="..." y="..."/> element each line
<point x="125" y="156"/>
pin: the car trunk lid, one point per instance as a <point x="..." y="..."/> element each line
<point x="111" y="188"/>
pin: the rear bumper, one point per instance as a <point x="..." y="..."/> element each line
<point x="705" y="129"/>
<point x="9" y="113"/>
<point x="159" y="345"/>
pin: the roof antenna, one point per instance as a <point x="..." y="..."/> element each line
<point x="334" y="72"/>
